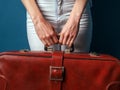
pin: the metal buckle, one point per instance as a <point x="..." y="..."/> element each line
<point x="56" y="73"/>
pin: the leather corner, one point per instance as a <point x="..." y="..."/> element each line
<point x="113" y="85"/>
<point x="3" y="82"/>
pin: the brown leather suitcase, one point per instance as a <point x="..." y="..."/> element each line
<point x="58" y="71"/>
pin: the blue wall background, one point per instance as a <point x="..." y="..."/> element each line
<point x="12" y="25"/>
<point x="106" y="34"/>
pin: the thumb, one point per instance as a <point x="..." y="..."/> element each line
<point x="58" y="36"/>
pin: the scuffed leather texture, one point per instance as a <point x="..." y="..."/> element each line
<point x="31" y="71"/>
<point x="3" y="82"/>
<point x="115" y="85"/>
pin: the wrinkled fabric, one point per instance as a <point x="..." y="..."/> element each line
<point x="57" y="13"/>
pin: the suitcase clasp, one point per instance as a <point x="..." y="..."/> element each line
<point x="56" y="73"/>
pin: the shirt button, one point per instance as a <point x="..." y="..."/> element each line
<point x="59" y="2"/>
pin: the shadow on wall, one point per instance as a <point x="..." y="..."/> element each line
<point x="106" y="31"/>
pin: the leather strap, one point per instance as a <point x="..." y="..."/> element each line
<point x="56" y="70"/>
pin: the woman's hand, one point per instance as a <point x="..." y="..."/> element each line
<point x="43" y="28"/>
<point x="68" y="33"/>
<point x="45" y="32"/>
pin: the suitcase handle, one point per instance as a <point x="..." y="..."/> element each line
<point x="67" y="50"/>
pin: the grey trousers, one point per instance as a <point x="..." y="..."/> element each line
<point x="57" y="13"/>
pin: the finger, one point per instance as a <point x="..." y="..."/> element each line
<point x="58" y="36"/>
<point x="61" y="38"/>
<point x="51" y="41"/>
<point x="55" y="39"/>
<point x="71" y="42"/>
<point x="65" y="39"/>
<point x="48" y="39"/>
<point x="47" y="42"/>
<point x="44" y="42"/>
<point x="68" y="41"/>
